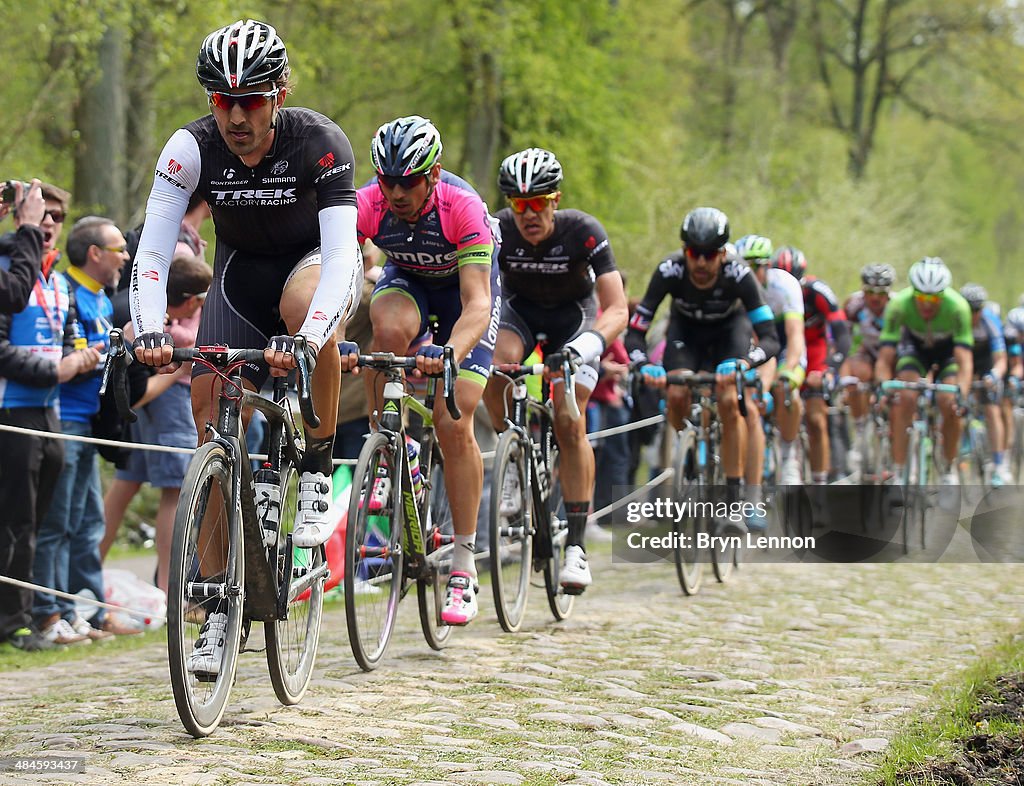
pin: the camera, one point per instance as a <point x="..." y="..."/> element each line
<point x="8" y="193"/>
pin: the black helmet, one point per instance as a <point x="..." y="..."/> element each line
<point x="530" y="171"/>
<point x="242" y="54"/>
<point x="705" y="229"/>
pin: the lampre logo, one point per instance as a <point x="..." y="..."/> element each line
<point x="326" y="161"/>
<point x="173" y="167"/>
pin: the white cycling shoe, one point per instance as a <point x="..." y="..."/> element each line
<point x="208" y="653"/>
<point x="313" y="527"/>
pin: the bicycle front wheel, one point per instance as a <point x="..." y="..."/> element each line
<point x="373" y="552"/>
<point x="688" y="485"/>
<point x="207" y="577"/>
<point x="559" y="602"/>
<point x="438" y="537"/>
<point x="511" y="531"/>
<point x="292" y="642"/>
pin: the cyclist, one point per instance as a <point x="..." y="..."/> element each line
<point x="927" y="325"/>
<point x="559" y="278"/>
<point x="1013" y="331"/>
<point x="279" y="182"/>
<point x="715" y="301"/>
<point x="990" y="364"/>
<point x="436" y="236"/>
<point x="865" y="310"/>
<point x="824" y="323"/>
<point x="785" y="298"/>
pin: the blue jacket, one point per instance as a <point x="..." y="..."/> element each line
<point x="80" y="397"/>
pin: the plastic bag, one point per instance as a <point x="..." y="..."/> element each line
<point x="148" y="604"/>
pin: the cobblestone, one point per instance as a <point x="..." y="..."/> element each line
<point x="792" y="674"/>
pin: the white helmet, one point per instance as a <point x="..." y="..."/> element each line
<point x="930" y="276"/>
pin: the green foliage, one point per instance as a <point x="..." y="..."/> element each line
<point x="653" y="106"/>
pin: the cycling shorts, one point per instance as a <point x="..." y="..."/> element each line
<point x="445" y="303"/>
<point x="921" y="359"/>
<point x="557" y="324"/>
<point x="243" y="307"/>
<point x="701" y="347"/>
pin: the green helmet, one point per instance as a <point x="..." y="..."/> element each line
<point x="755" y="248"/>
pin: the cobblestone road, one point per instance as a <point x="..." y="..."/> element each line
<point x="793" y="674"/>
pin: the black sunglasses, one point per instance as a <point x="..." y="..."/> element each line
<point x="405" y="181"/>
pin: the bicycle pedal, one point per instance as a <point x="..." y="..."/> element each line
<point x="573" y="589"/>
<point x="205" y="676"/>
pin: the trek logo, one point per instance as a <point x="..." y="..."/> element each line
<point x="590" y="242"/>
<point x="173" y="167"/>
<point x="319" y="315"/>
<point x="326" y="161"/>
<point x="152" y="275"/>
<point x="255" y="193"/>
<point x="331" y="172"/>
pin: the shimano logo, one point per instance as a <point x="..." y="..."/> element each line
<point x="278" y="180"/>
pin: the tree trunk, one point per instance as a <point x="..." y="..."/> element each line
<point x="100" y="163"/>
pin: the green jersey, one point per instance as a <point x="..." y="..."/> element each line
<point x="951" y="323"/>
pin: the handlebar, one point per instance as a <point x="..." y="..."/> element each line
<point x="385" y="361"/>
<point x="218" y="358"/>
<point x="514" y="371"/>
<point x="694" y="379"/>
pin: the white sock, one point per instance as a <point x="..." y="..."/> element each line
<point x="463" y="559"/>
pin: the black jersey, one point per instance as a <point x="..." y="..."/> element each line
<point x="560" y="270"/>
<point x="272" y="209"/>
<point x="736" y="291"/>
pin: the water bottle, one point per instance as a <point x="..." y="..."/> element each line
<point x="267" y="483"/>
<point x="413" y="448"/>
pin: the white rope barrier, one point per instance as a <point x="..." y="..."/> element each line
<point x="82" y="599"/>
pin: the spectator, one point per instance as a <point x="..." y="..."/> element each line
<point x="36" y="355"/>
<point x="607" y="402"/>
<point x="22" y="249"/>
<point x="165" y="418"/>
<point x="67" y="545"/>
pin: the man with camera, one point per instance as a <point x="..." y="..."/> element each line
<point x="21" y="251"/>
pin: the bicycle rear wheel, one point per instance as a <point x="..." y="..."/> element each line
<point x="438" y="536"/>
<point x="688" y="487"/>
<point x="511" y="535"/>
<point x="205" y="494"/>
<point x="559" y="602"/>
<point x="292" y="642"/>
<point x="373" y="552"/>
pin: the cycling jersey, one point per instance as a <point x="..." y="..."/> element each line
<point x="988" y="340"/>
<point x="783" y="296"/>
<point x="951" y="323"/>
<point x="453" y="230"/>
<point x="867" y="326"/>
<point x="560" y="270"/>
<point x="301" y="195"/>
<point x="423" y="259"/>
<point x="733" y="293"/>
<point x="822" y="317"/>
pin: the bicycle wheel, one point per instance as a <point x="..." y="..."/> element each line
<point x="512" y="534"/>
<point x="205" y="502"/>
<point x="292" y="642"/>
<point x="1018" y="443"/>
<point x="725" y="554"/>
<point x="438" y="534"/>
<point x="559" y="602"/>
<point x="911" y="485"/>
<point x="688" y="485"/>
<point x="373" y="552"/>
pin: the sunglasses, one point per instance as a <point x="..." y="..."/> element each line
<point x="876" y="290"/>
<point x="535" y="203"/>
<point x="56" y="214"/>
<point x="115" y="249"/>
<point x="405" y="181"/>
<point x="695" y="253"/>
<point x="248" y="101"/>
<point x="201" y="295"/>
<point x="921" y="297"/>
